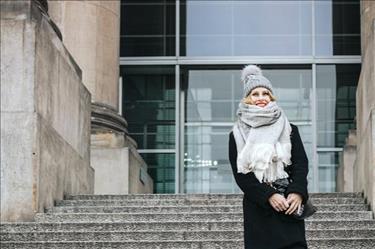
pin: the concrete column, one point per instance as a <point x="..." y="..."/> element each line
<point x="91" y="32"/>
<point x="364" y="167"/>
<point x="45" y="115"/>
<point x="119" y="169"/>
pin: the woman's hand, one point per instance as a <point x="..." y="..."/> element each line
<point x="295" y="201"/>
<point x="278" y="202"/>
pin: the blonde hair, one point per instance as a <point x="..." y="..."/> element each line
<point x="247" y="99"/>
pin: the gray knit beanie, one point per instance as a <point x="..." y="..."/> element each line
<point x="252" y="77"/>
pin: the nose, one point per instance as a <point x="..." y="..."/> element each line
<point x="261" y="100"/>
<point x="262" y="97"/>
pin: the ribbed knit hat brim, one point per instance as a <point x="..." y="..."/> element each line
<point x="252" y="77"/>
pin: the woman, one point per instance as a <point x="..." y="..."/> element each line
<point x="265" y="147"/>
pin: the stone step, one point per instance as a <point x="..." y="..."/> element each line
<point x="197" y="196"/>
<point x="191" y="201"/>
<point x="168" y="226"/>
<point x="168" y="235"/>
<point x="208" y="244"/>
<point x="124" y="244"/>
<point x="341" y="233"/>
<point x="341" y="243"/>
<point x="185" y="209"/>
<point x="120" y="217"/>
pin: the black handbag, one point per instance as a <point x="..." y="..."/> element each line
<point x="306" y="209"/>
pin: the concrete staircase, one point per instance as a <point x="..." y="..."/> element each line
<point x="180" y="221"/>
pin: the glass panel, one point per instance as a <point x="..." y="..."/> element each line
<point x="149" y="105"/>
<point x="206" y="163"/>
<point x="213" y="94"/>
<point x="293" y="90"/>
<point x="210" y="97"/>
<point x="328" y="163"/>
<point x="148" y="28"/>
<point x="336" y="104"/>
<point x="210" y="93"/>
<point x="161" y="168"/>
<point x="337" y="27"/>
<point x="258" y="28"/>
<point x="306" y="132"/>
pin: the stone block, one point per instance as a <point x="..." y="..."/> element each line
<point x="45" y="116"/>
<point x="62" y="170"/>
<point x="18" y="154"/>
<point x="364" y="167"/>
<point x="117" y="171"/>
<point x="114" y="157"/>
<point x="111" y="170"/>
<point x="17" y="35"/>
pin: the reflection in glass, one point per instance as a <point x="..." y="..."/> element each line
<point x="336" y="107"/>
<point x="337" y="27"/>
<point x="210" y="93"/>
<point x="147" y="28"/>
<point x="328" y="162"/>
<point x="149" y="105"/>
<point x="237" y="28"/>
<point x="306" y="132"/>
<point x="293" y="91"/>
<point x="161" y="168"/>
<point x="210" y="98"/>
<point x="206" y="165"/>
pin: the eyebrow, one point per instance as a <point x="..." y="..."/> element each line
<point x="265" y="91"/>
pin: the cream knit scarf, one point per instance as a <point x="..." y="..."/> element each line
<point x="262" y="137"/>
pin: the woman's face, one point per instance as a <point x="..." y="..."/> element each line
<point x="260" y="96"/>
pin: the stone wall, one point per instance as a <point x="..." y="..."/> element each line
<point x="91" y="31"/>
<point x="45" y="116"/>
<point x="364" y="167"/>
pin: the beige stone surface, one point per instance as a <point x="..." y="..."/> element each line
<point x="17" y="62"/>
<point x="91" y="31"/>
<point x="138" y="165"/>
<point x="107" y="140"/>
<point x="111" y="170"/>
<point x="344" y="181"/>
<point x="367" y="13"/>
<point x="364" y="167"/>
<point x="62" y="170"/>
<point x="19" y="195"/>
<point x="118" y="166"/>
<point x="45" y="116"/>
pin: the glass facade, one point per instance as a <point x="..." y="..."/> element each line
<point x="149" y="105"/>
<point x="161" y="167"/>
<point x="337" y="27"/>
<point x="336" y="89"/>
<point x="180" y="67"/>
<point x="238" y="28"/>
<point x="210" y="99"/>
<point x="147" y="28"/>
<point x="328" y="161"/>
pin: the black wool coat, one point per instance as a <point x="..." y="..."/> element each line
<point x="264" y="227"/>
